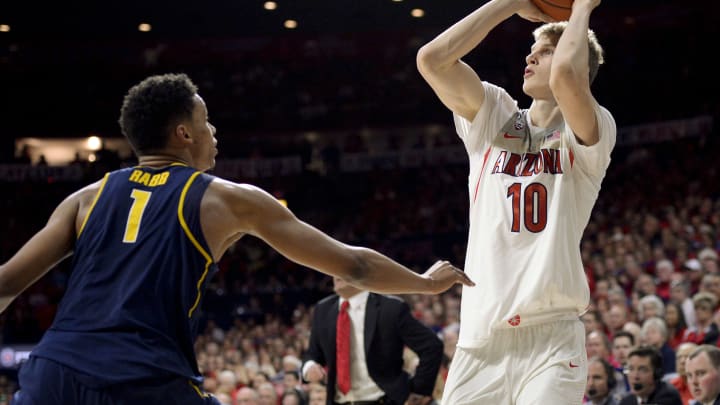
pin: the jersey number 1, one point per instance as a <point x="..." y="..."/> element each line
<point x="531" y="204"/>
<point x="140" y="201"/>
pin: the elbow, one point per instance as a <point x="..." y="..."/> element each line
<point x="423" y="60"/>
<point x="428" y="59"/>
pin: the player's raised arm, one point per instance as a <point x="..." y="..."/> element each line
<point x="456" y="84"/>
<point x="570" y="75"/>
<point x="255" y="212"/>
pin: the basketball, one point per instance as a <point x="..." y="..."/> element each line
<point x="557" y="9"/>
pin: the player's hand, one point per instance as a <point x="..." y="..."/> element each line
<point x="444" y="275"/>
<point x="315" y="373"/>
<point x="530" y="12"/>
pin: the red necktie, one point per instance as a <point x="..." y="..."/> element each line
<point x="342" y="343"/>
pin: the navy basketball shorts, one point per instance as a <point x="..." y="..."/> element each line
<point x="45" y="382"/>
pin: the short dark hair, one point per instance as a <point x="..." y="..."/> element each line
<point x="627" y="335"/>
<point x="654" y="355"/>
<point x="609" y="371"/>
<point x="152" y="106"/>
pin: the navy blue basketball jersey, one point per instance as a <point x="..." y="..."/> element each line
<point x="139" y="270"/>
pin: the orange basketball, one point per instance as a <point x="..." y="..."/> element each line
<point x="557" y="9"/>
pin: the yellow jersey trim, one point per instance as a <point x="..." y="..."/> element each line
<point x="92" y="206"/>
<point x="202" y="394"/>
<point x="194" y="241"/>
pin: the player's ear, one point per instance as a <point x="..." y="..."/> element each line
<point x="181" y="134"/>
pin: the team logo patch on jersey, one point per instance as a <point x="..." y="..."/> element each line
<point x="514" y="321"/>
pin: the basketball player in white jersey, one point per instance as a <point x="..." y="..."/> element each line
<point x="534" y="177"/>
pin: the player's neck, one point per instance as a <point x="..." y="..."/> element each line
<point x="545" y="114"/>
<point x="161" y="160"/>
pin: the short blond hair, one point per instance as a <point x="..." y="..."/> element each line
<point x="554" y="30"/>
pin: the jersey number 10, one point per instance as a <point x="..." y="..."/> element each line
<point x="533" y="202"/>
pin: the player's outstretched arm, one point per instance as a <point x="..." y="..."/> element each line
<point x="50" y="245"/>
<point x="255" y="212"/>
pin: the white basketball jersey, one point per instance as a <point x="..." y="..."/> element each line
<point x="531" y="194"/>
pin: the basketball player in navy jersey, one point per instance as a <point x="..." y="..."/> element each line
<point x="145" y="241"/>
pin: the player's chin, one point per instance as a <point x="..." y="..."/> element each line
<point x="526" y="88"/>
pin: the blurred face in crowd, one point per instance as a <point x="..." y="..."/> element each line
<point x="247" y="396"/>
<point x="654" y="337"/>
<point x="267" y="393"/>
<point x="617" y="316"/>
<point x="703" y="312"/>
<point x="591" y="323"/>
<point x="678" y="293"/>
<point x="703" y="379"/>
<point x="595" y="346"/>
<point x="649" y="310"/>
<point x="672" y="317"/>
<point x="291" y="380"/>
<point x="621" y="349"/>
<point x="664" y="272"/>
<point x="645" y="284"/>
<point x="640" y="376"/>
<point x="318" y="395"/>
<point x="616" y="297"/>
<point x="711" y="283"/>
<point x="290" y="400"/>
<point x="683" y="352"/>
<point x="601" y="288"/>
<point x="710" y="265"/>
<point x="597" y="386"/>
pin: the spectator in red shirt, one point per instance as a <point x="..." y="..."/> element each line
<point x="680" y="381"/>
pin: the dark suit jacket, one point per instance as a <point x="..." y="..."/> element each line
<point x="664" y="394"/>
<point x="389" y="326"/>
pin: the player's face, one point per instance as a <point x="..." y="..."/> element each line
<point x="702" y="378"/>
<point x="537" y="72"/>
<point x="204" y="147"/>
